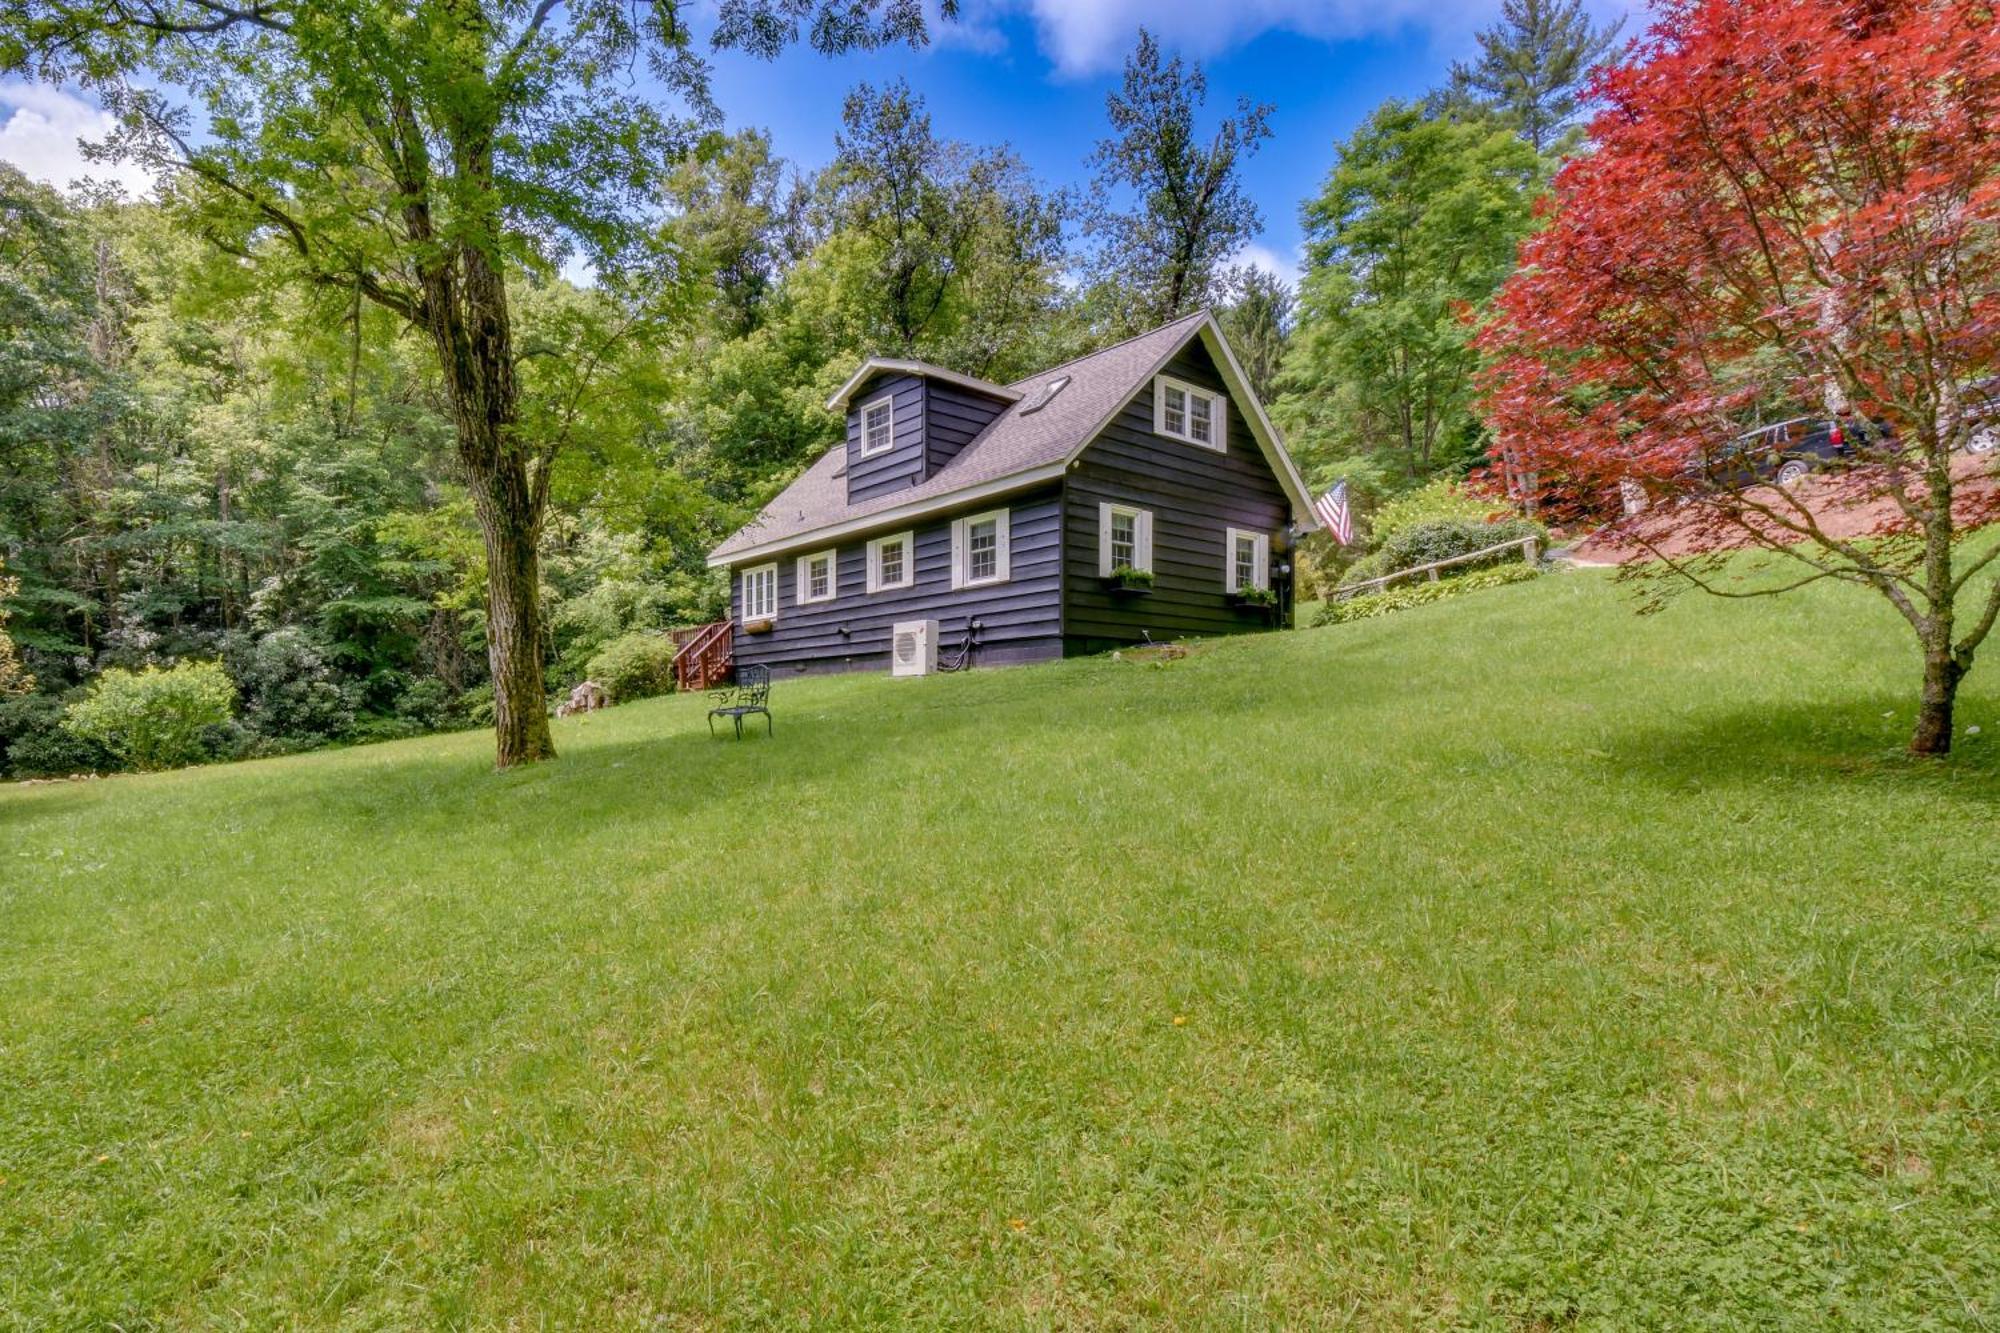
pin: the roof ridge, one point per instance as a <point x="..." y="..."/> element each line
<point x="1109" y="347"/>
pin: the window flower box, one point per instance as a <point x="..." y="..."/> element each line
<point x="1127" y="581"/>
<point x="761" y="626"/>
<point x="1254" y="599"/>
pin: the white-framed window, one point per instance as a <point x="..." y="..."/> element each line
<point x="878" y="426"/>
<point x="760" y="593"/>
<point x="979" y="549"/>
<point x="819" y="577"/>
<point x="1246" y="560"/>
<point x="892" y="562"/>
<point x="1124" y="538"/>
<point x="1182" y="411"/>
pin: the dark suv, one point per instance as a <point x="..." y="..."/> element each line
<point x="1785" y="451"/>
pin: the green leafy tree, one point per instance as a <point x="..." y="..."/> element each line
<point x="154" y="718"/>
<point x="1418" y="221"/>
<point x="421" y="155"/>
<point x="956" y="248"/>
<point x="14" y="678"/>
<point x="1164" y="251"/>
<point x="1533" y="66"/>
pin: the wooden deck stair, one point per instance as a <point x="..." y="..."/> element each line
<point x="706" y="659"/>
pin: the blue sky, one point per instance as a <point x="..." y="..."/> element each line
<point x="1034" y="73"/>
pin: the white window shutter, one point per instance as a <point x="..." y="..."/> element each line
<point x="799" y="580"/>
<point x="1143" y="532"/>
<point x="1219" y="421"/>
<point x="1005" y="569"/>
<point x="958" y="553"/>
<point x="1104" y="540"/>
<point x="1159" y="406"/>
<point x="1263" y="560"/>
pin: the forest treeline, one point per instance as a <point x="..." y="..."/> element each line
<point x="200" y="464"/>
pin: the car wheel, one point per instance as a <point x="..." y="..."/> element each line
<point x="1984" y="440"/>
<point x="1792" y="470"/>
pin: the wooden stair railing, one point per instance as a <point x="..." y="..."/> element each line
<point x="707" y="659"/>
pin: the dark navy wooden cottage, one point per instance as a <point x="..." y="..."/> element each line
<point x="999" y="512"/>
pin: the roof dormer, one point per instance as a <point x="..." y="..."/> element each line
<point x="907" y="419"/>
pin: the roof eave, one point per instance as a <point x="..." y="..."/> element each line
<point x="893" y="516"/>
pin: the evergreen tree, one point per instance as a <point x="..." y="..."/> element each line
<point x="1259" y="322"/>
<point x="1532" y="66"/>
<point x="1168" y="253"/>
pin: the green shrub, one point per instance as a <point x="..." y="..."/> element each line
<point x="1440" y="501"/>
<point x="1447" y="538"/>
<point x="155" y="718"/>
<point x="635" y="666"/>
<point x="1421" y="594"/>
<point x="291" y="692"/>
<point x="34" y="743"/>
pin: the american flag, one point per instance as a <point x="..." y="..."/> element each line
<point x="1332" y="510"/>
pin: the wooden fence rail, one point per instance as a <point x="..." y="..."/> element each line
<point x="1530" y="548"/>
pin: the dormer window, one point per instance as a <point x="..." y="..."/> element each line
<point x="878" y="426"/>
<point x="1182" y="411"/>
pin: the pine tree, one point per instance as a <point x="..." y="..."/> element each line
<point x="1532" y="66"/>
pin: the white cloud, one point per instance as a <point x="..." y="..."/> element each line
<point x="40" y="133"/>
<point x="1264" y="257"/>
<point x="1086" y="37"/>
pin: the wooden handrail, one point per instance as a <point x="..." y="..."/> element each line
<point x="1530" y="547"/>
<point x="704" y="659"/>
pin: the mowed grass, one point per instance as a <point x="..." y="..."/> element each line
<point x="1513" y="962"/>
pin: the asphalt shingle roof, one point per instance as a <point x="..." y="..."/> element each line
<point x="1020" y="439"/>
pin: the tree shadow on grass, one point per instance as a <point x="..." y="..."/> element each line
<point x="1859" y="741"/>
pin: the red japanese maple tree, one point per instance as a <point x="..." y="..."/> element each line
<point x="1791" y="208"/>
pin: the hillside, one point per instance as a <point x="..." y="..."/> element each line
<point x="1515" y="960"/>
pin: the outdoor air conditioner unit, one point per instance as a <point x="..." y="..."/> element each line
<point x="914" y="648"/>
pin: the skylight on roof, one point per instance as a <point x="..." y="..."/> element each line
<point x="1047" y="395"/>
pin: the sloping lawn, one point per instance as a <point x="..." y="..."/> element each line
<point x="1510" y="962"/>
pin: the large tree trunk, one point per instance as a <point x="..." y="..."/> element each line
<point x="471" y="325"/>
<point x="514" y="638"/>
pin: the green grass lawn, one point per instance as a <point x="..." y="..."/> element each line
<point x="1514" y="961"/>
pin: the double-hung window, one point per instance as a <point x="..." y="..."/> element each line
<point x="878" y="427"/>
<point x="892" y="562"/>
<point x="979" y="549"/>
<point x="819" y="577"/>
<point x="760" y="593"/>
<point x="1124" y="538"/>
<point x="1247" y="560"/>
<point x="1183" y="411"/>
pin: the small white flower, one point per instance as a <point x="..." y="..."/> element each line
<point x="1972" y="730"/>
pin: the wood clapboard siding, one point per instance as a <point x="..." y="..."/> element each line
<point x="1020" y="618"/>
<point x="1194" y="494"/>
<point x="952" y="417"/>
<point x="903" y="465"/>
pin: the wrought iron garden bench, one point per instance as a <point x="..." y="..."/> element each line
<point x="751" y="694"/>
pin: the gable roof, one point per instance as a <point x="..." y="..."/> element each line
<point x="883" y="365"/>
<point x="1034" y="440"/>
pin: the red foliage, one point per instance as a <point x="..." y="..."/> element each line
<point x="1791" y="205"/>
